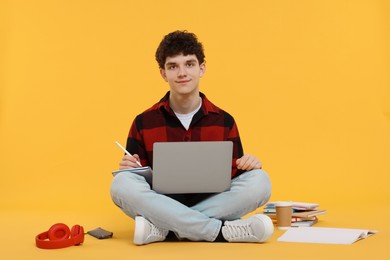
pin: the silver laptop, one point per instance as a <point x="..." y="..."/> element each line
<point x="192" y="167"/>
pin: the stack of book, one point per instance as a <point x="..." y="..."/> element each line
<point x="303" y="214"/>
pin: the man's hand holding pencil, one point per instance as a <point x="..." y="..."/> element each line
<point x="129" y="160"/>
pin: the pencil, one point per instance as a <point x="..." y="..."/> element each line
<point x="129" y="154"/>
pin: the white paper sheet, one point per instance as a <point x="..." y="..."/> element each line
<point x="325" y="235"/>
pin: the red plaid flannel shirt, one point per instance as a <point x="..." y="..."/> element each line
<point x="160" y="124"/>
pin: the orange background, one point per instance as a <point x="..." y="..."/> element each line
<point x="307" y="82"/>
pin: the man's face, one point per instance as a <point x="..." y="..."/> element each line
<point x="183" y="73"/>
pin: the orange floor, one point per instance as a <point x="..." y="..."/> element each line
<point x="20" y="227"/>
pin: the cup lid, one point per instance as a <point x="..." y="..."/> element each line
<point x="283" y="204"/>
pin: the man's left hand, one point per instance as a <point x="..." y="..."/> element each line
<point x="248" y="162"/>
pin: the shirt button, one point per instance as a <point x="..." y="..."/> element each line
<point x="186" y="138"/>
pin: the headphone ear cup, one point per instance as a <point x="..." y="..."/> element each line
<point x="59" y="231"/>
<point x="77" y="234"/>
<point x="75" y="230"/>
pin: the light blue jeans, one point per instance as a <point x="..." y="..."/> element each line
<point x="201" y="222"/>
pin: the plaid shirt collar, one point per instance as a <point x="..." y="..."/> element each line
<point x="207" y="106"/>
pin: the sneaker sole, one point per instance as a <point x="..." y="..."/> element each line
<point x="268" y="226"/>
<point x="140" y="223"/>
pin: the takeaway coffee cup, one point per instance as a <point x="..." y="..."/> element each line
<point x="283" y="215"/>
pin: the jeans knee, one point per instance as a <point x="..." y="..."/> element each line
<point x="116" y="190"/>
<point x="120" y="188"/>
<point x="124" y="194"/>
<point x="261" y="187"/>
<point x="128" y="186"/>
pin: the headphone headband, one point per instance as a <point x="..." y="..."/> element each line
<point x="59" y="236"/>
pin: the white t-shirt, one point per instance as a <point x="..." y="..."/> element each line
<point x="186" y="119"/>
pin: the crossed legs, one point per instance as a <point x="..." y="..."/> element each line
<point x="201" y="222"/>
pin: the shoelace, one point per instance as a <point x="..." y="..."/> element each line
<point x="239" y="231"/>
<point x="155" y="231"/>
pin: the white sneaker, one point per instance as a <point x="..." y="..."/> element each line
<point x="145" y="232"/>
<point x="257" y="228"/>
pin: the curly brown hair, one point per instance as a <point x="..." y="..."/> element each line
<point x="179" y="42"/>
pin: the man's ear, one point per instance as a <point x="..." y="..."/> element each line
<point x="162" y="72"/>
<point x="202" y="69"/>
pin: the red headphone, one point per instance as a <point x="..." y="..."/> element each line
<point x="60" y="236"/>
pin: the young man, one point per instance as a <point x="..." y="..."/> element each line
<point x="185" y="114"/>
